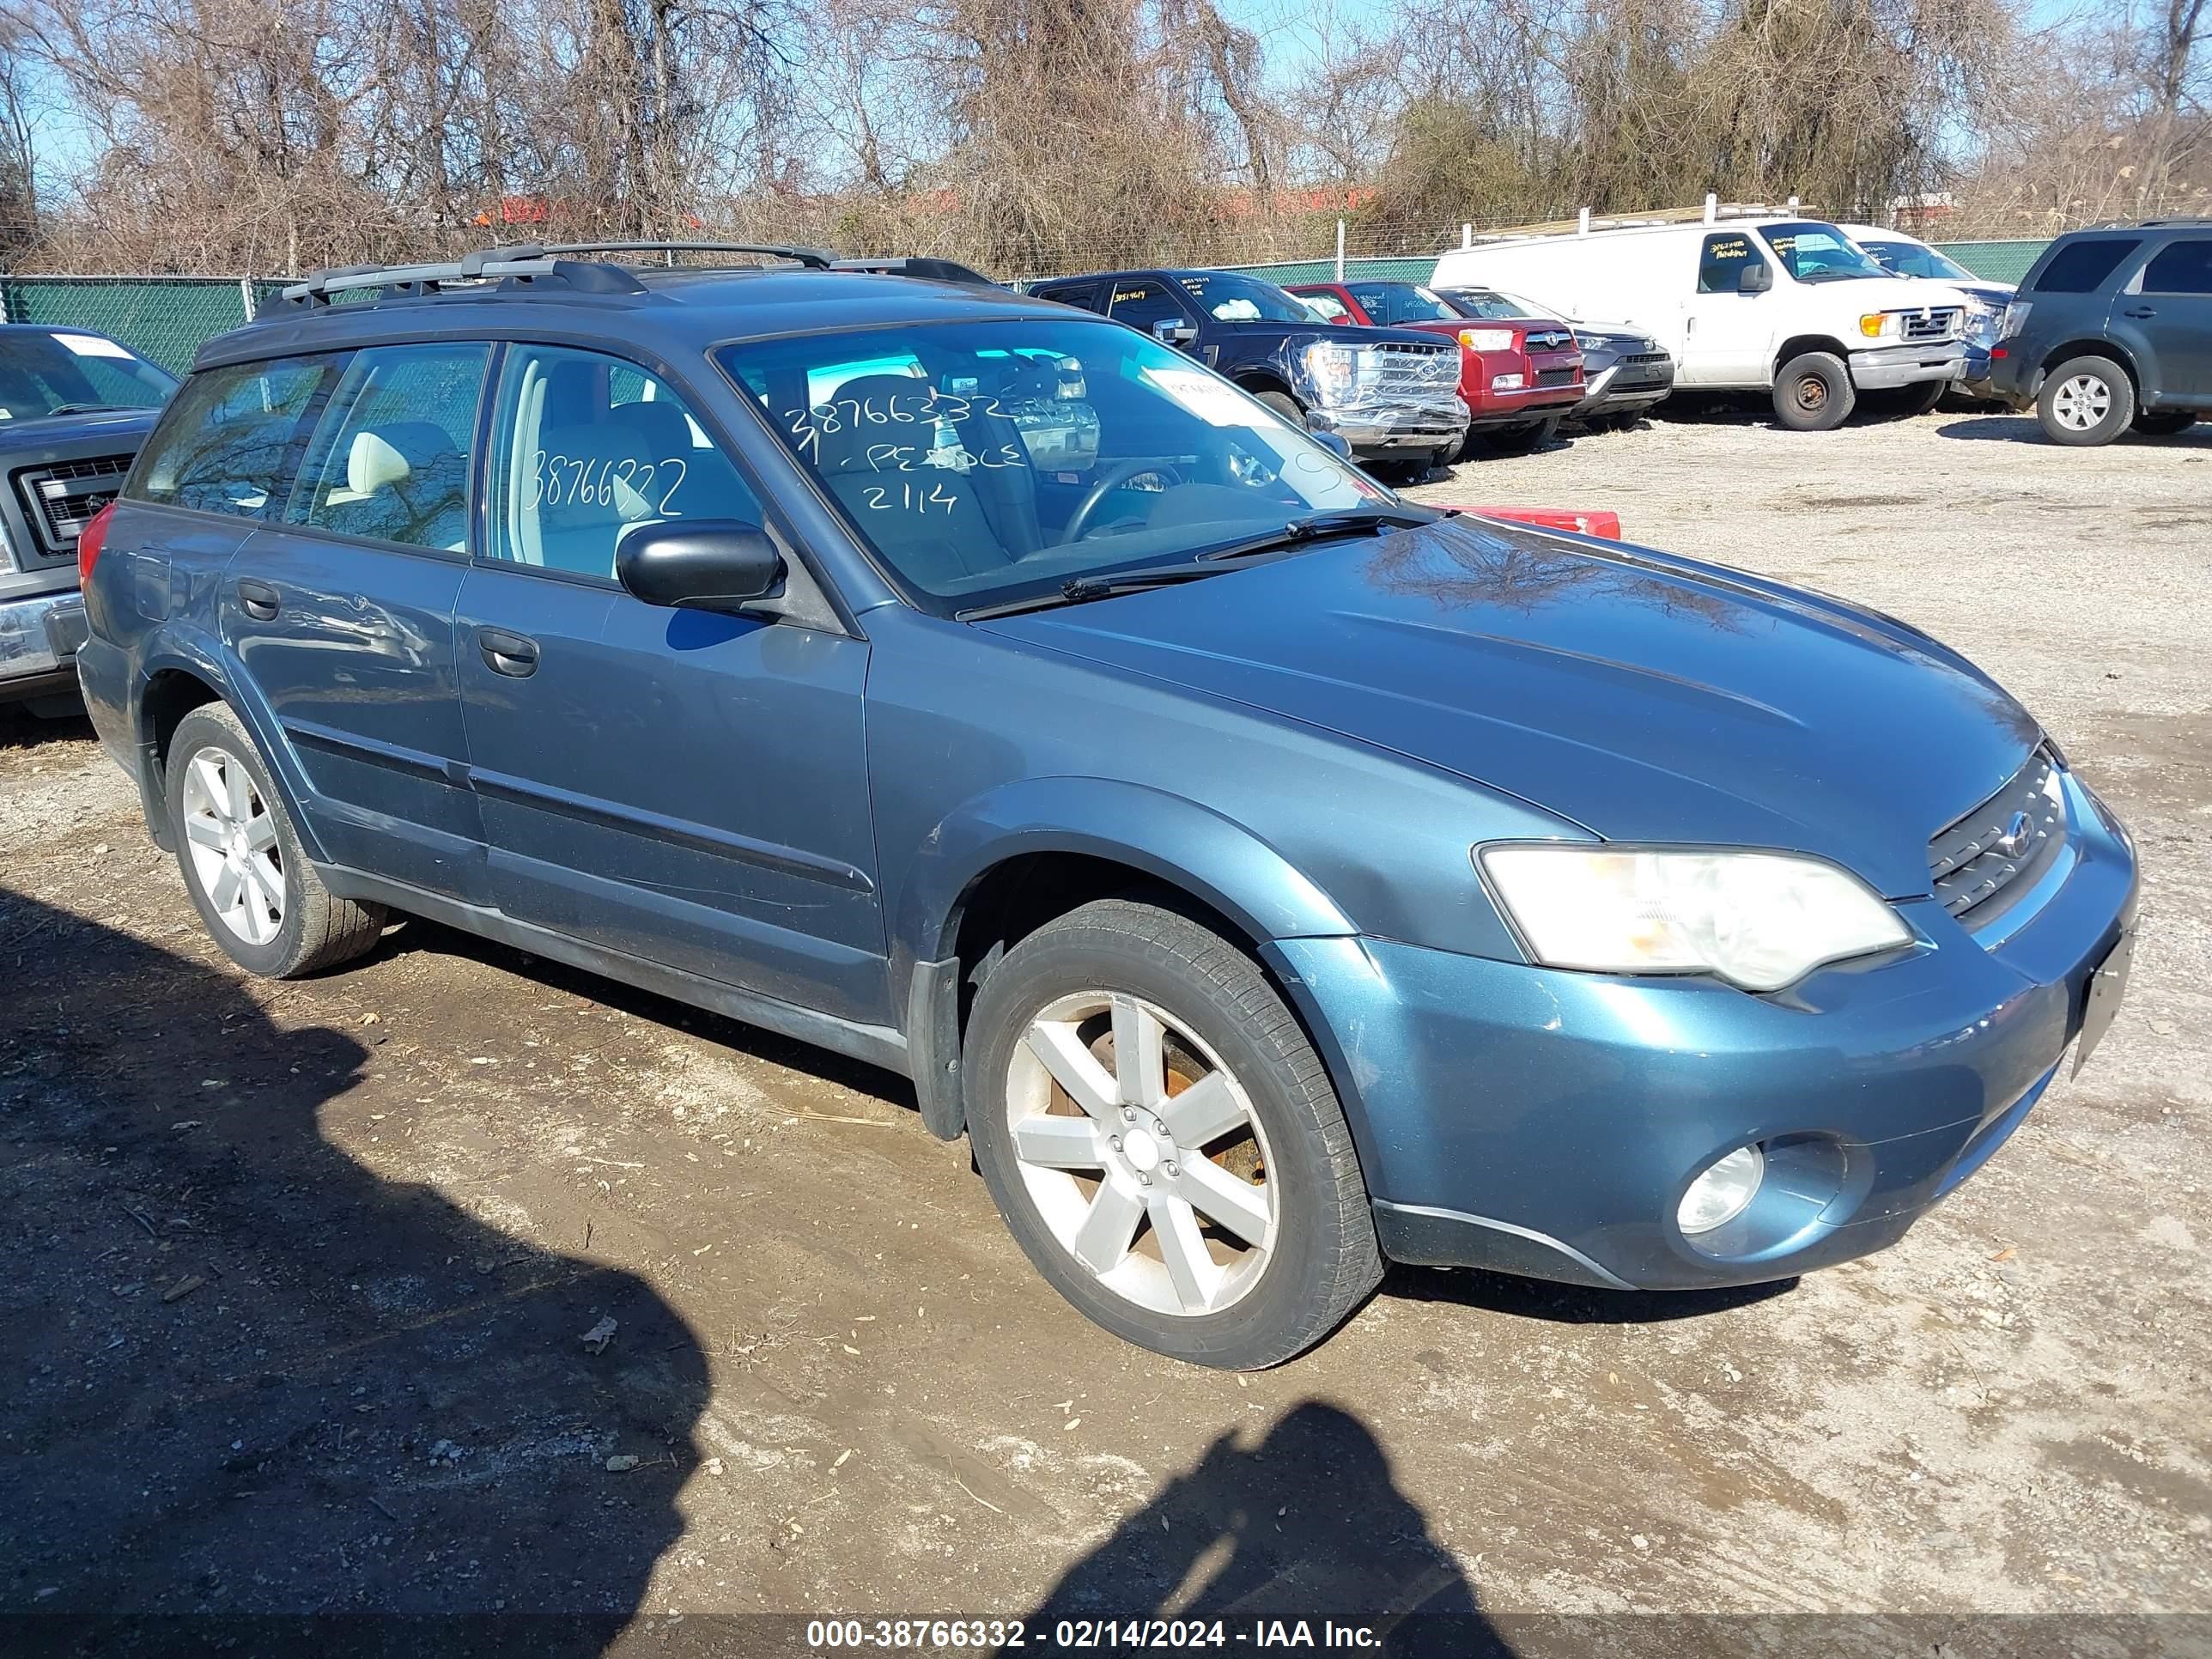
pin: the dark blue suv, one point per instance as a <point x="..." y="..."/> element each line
<point x="1269" y="876"/>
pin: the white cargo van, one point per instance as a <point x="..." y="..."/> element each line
<point x="1763" y="302"/>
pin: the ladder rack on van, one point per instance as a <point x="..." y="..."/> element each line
<point x="1586" y="223"/>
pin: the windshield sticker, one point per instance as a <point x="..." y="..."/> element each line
<point x="91" y="345"/>
<point x="1212" y="401"/>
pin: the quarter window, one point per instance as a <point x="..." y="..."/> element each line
<point x="226" y="442"/>
<point x="389" y="461"/>
<point x="2183" y="267"/>
<point x="586" y="447"/>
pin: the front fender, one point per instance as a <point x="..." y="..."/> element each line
<point x="188" y="648"/>
<point x="1184" y="844"/>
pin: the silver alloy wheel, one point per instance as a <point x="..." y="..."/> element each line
<point x="1128" y="1132"/>
<point x="234" y="849"/>
<point x="2081" y="401"/>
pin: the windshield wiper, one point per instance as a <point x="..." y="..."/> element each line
<point x="84" y="409"/>
<point x="1321" y="525"/>
<point x="1212" y="561"/>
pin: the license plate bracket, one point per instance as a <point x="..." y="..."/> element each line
<point x="2107" y="985"/>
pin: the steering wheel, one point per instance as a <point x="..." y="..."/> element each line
<point x="1110" y="481"/>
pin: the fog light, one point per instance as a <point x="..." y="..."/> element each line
<point x="1720" y="1194"/>
<point x="1505" y="382"/>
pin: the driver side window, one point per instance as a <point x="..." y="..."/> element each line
<point x="586" y="447"/>
<point x="1722" y="265"/>
<point x="1143" y="304"/>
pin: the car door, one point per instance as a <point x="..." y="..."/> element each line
<point x="1727" y="334"/>
<point x="2170" y="306"/>
<point x="340" y="608"/>
<point x="682" y="786"/>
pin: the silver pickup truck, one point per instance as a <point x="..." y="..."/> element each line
<point x="73" y="408"/>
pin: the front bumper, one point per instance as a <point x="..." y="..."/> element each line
<point x="38" y="642"/>
<point x="1546" y="1122"/>
<point x="1885" y="368"/>
<point x="1610" y="393"/>
<point x="1397" y="431"/>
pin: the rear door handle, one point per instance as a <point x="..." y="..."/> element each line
<point x="2141" y="311"/>
<point x="514" y="655"/>
<point x="261" y="602"/>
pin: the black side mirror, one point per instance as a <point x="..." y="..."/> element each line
<point x="1169" y="331"/>
<point x="700" y="564"/>
<point x="1755" y="279"/>
<point x="1335" y="442"/>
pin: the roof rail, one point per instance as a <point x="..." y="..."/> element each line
<point x="526" y="260"/>
<point x="927" y="267"/>
<point x="816" y="257"/>
<point x="2171" y="224"/>
<point x="1710" y="212"/>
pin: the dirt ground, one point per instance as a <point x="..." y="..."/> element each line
<point x="298" y="1277"/>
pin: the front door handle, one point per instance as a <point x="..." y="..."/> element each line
<point x="514" y="655"/>
<point x="261" y="602"/>
<point x="2141" y="311"/>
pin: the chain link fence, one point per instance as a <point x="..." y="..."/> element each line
<point x="163" y="319"/>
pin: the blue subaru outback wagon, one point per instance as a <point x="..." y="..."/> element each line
<point x="1270" y="877"/>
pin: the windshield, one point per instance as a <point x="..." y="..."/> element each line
<point x="1486" y="302"/>
<point x="1230" y="298"/>
<point x="983" y="462"/>
<point x="1911" y="259"/>
<point x="1815" y="252"/>
<point x="58" y="372"/>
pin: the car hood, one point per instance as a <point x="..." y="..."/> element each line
<point x="119" y="431"/>
<point x="1893" y="292"/>
<point x="1639" y="697"/>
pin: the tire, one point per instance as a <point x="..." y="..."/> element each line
<point x="2162" y="424"/>
<point x="307" y="928"/>
<point x="1270" y="1133"/>
<point x="2085" y="401"/>
<point x="1285" y="405"/>
<point x="1522" y="439"/>
<point x="1814" y="392"/>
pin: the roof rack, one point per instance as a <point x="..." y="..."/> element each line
<point x="2171" y="224"/>
<point x="1711" y="212"/>
<point x="529" y="263"/>
<point x="927" y="267"/>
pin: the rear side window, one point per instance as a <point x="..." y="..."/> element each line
<point x="2182" y="267"/>
<point x="226" y="445"/>
<point x="2082" y="267"/>
<point x="389" y="461"/>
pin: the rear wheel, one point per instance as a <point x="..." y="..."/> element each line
<point x="1163" y="1141"/>
<point x="2163" y="423"/>
<point x="2084" y="401"/>
<point x="258" y="895"/>
<point x="1814" y="392"/>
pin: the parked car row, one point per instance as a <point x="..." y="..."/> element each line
<point x="1267" y="875"/>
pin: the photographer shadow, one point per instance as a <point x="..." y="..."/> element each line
<point x="1308" y="1524"/>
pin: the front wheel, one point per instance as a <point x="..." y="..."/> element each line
<point x="1164" y="1142"/>
<point x="1285" y="405"/>
<point x="1906" y="402"/>
<point x="1814" y="392"/>
<point x="1523" y="440"/>
<point x="2163" y="423"/>
<point x="258" y="895"/>
<point x="2084" y="401"/>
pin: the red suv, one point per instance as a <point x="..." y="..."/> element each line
<point x="1520" y="375"/>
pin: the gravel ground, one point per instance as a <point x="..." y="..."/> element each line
<point x="299" y="1275"/>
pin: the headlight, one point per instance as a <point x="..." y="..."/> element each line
<point x="1334" y="368"/>
<point x="1486" y="339"/>
<point x="1761" y="920"/>
<point x="1876" y="324"/>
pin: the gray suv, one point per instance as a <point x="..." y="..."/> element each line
<point x="2113" y="330"/>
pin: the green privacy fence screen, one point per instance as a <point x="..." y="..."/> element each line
<point x="166" y="319"/>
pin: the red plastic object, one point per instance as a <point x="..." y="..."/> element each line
<point x="90" y="540"/>
<point x="1607" y="525"/>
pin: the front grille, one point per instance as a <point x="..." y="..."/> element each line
<point x="60" y="500"/>
<point x="1939" y="323"/>
<point x="2015" y="833"/>
<point x="1555" y="377"/>
<point x="1416" y="368"/>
